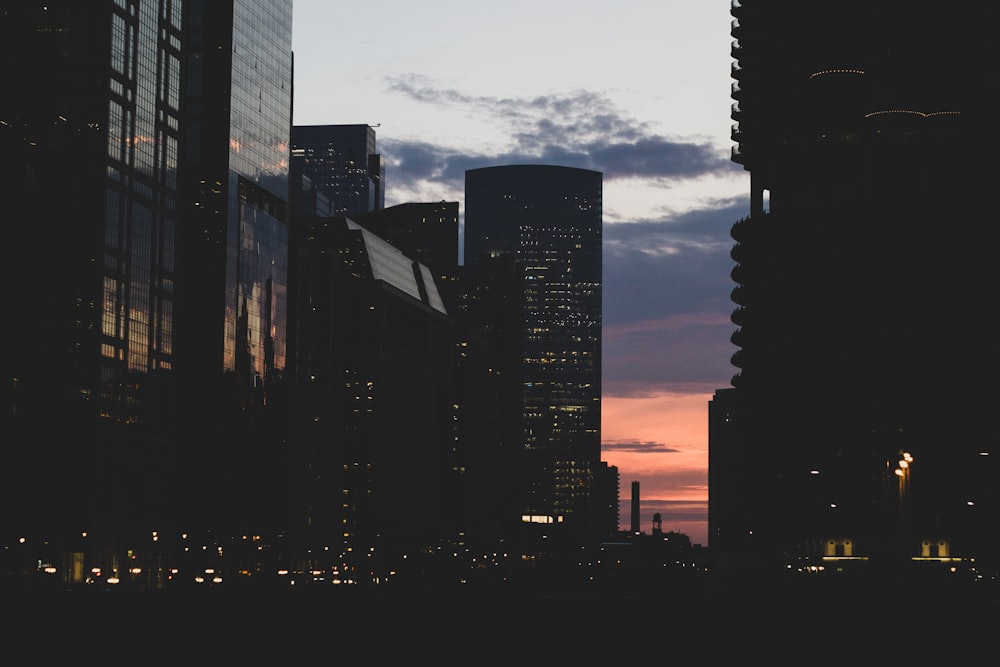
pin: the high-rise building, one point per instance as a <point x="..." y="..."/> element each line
<point x="148" y="141"/>
<point x="233" y="245"/>
<point x="853" y="433"/>
<point x="549" y="218"/>
<point x="341" y="162"/>
<point x="90" y="132"/>
<point x="377" y="473"/>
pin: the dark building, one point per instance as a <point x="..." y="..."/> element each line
<point x="377" y="475"/>
<point x="634" y="519"/>
<point x="148" y="142"/>
<point x="90" y="133"/>
<point x="341" y="161"/>
<point x="548" y="220"/>
<point x="853" y="435"/>
<point x="233" y="249"/>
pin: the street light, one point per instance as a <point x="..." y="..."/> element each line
<point x="903" y="472"/>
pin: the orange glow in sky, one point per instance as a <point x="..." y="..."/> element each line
<point x="661" y="441"/>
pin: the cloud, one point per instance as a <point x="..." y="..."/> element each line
<point x="637" y="447"/>
<point x="580" y="129"/>
<point x="667" y="301"/>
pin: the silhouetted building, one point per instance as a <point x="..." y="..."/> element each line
<point x="377" y="471"/>
<point x="548" y="218"/>
<point x="154" y="242"/>
<point x="90" y="142"/>
<point x="853" y="434"/>
<point x="634" y="524"/>
<point x="341" y="162"/>
<point x="231" y="313"/>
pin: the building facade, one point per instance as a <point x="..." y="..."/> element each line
<point x="377" y="474"/>
<point x="850" y="436"/>
<point x="548" y="219"/>
<point x="149" y="140"/>
<point x="91" y="137"/>
<point x="342" y="162"/>
<point x="232" y="295"/>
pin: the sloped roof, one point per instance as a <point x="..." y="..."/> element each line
<point x="389" y="264"/>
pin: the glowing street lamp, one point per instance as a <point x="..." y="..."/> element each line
<point x="903" y="472"/>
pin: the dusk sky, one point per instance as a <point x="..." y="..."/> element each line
<point x="638" y="90"/>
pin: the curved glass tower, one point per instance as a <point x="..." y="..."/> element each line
<point x="548" y="218"/>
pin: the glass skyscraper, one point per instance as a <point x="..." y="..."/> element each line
<point x="549" y="219"/>
<point x="232" y="294"/>
<point x="90" y="131"/>
<point x="147" y="143"/>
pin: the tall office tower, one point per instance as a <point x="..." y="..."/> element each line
<point x="374" y="461"/>
<point x="341" y="162"/>
<point x="233" y="253"/>
<point x="862" y="397"/>
<point x="89" y="130"/>
<point x="549" y="219"/>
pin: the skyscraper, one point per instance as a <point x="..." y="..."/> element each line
<point x="548" y="218"/>
<point x="233" y="245"/>
<point x="149" y="141"/>
<point x="90" y="132"/>
<point x="372" y="353"/>
<point x="863" y="390"/>
<point x="341" y="162"/>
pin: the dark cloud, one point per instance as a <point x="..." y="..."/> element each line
<point x="667" y="302"/>
<point x="637" y="446"/>
<point x="580" y="129"/>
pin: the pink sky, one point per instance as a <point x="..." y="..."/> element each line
<point x="661" y="441"/>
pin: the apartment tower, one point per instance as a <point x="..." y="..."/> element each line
<point x="852" y="435"/>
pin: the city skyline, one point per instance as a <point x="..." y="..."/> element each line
<point x="447" y="91"/>
<point x="238" y="359"/>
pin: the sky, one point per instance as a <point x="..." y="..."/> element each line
<point x="638" y="90"/>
